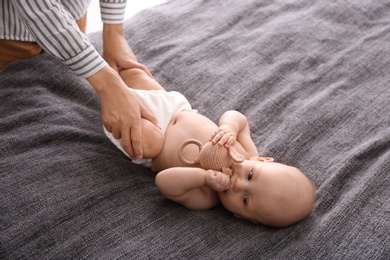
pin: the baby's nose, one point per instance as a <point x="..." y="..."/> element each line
<point x="238" y="185"/>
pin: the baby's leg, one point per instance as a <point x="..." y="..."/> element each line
<point x="138" y="79"/>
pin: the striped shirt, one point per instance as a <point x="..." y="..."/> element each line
<point x="52" y="24"/>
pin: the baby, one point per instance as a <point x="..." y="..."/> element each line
<point x="259" y="189"/>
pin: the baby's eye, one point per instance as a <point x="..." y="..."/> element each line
<point x="250" y="175"/>
<point x="245" y="199"/>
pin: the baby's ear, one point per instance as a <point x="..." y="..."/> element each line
<point x="262" y="159"/>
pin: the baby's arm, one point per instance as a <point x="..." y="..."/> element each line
<point x="233" y="126"/>
<point x="194" y="188"/>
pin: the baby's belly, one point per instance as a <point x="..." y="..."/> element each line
<point x="185" y="125"/>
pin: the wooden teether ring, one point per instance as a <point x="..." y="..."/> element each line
<point x="184" y="144"/>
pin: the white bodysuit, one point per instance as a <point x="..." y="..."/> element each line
<point x="163" y="105"/>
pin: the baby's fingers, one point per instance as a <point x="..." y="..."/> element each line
<point x="225" y="182"/>
<point x="221" y="181"/>
<point x="216" y="136"/>
<point x="227" y="140"/>
<point x="217" y="180"/>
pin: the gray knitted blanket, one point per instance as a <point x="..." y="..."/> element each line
<point x="313" y="78"/>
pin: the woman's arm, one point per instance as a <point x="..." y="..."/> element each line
<point x="194" y="188"/>
<point x="57" y="32"/>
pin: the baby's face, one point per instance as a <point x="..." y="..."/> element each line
<point x="269" y="193"/>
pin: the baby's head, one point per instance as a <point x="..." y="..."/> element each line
<point x="268" y="193"/>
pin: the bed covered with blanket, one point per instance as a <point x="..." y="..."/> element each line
<point x="313" y="79"/>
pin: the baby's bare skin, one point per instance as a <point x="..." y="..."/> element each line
<point x="258" y="190"/>
<point x="197" y="127"/>
<point x="183" y="126"/>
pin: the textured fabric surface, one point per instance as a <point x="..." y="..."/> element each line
<point x="311" y="76"/>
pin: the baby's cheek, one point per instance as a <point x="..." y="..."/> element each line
<point x="228" y="200"/>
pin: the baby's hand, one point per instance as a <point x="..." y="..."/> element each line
<point x="217" y="181"/>
<point x="224" y="135"/>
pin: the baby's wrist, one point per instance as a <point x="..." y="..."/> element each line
<point x="207" y="178"/>
<point x="229" y="128"/>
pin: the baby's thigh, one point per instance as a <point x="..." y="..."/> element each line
<point x="138" y="79"/>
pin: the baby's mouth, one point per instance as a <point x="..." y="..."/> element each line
<point x="232" y="181"/>
<point x="229" y="185"/>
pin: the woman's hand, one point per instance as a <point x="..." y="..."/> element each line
<point x="121" y="110"/>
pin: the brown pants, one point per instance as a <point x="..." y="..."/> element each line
<point x="18" y="50"/>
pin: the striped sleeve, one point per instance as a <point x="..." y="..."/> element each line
<point x="56" y="31"/>
<point x="112" y="11"/>
<point x="11" y="27"/>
